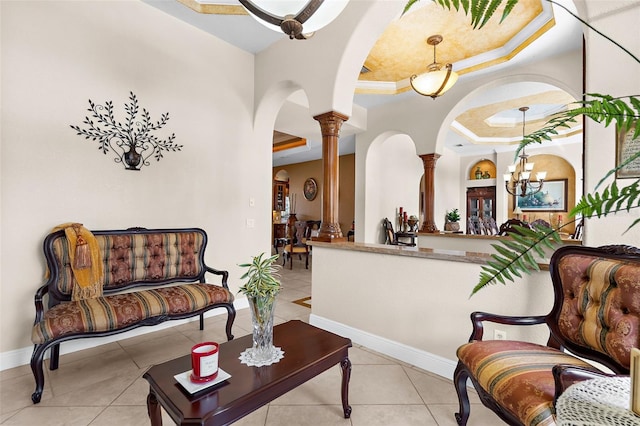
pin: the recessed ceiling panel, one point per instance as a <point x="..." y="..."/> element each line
<point x="402" y="50"/>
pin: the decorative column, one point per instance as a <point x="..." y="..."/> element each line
<point x="330" y="123"/>
<point x="429" y="162"/>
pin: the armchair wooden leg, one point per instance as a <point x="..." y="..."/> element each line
<point x="460" y="377"/>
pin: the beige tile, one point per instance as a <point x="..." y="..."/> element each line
<point x="96" y="393"/>
<point x="11" y="373"/>
<point x="396" y="415"/>
<point x="381" y="384"/>
<point x="291" y="294"/>
<point x="323" y="389"/>
<point x="291" y="310"/>
<point x="133" y="341"/>
<point x="324" y="415"/>
<point x="5" y="416"/>
<point x="135" y="394"/>
<point x="55" y="416"/>
<point x="85" y="353"/>
<point x="360" y="355"/>
<point x="433" y="389"/>
<point x="156" y="351"/>
<point x="257" y="418"/>
<point x="88" y="371"/>
<point x="209" y="334"/>
<point x="122" y="416"/>
<point x="480" y="415"/>
<point x="15" y="393"/>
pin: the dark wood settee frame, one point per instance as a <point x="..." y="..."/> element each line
<point x="55" y="297"/>
<point x="563" y="375"/>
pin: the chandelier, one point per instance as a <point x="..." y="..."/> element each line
<point x="438" y="78"/>
<point x="520" y="183"/>
<point x="299" y="19"/>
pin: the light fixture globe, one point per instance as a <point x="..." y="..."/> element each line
<point x="438" y="78"/>
<point x="298" y="19"/>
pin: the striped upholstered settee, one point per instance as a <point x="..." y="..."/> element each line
<point x="595" y="316"/>
<point x="150" y="276"/>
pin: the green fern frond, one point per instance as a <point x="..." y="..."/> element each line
<point x="490" y="11"/>
<point x="624" y="111"/>
<point x="515" y="256"/>
<point x="481" y="11"/>
<point x="508" y="8"/>
<point x="409" y="5"/>
<point x="612" y="200"/>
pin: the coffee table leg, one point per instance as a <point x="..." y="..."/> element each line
<point x="345" y="364"/>
<point x="153" y="408"/>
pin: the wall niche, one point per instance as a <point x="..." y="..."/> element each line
<point x="483" y="169"/>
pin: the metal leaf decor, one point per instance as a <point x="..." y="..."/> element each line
<point x="131" y="141"/>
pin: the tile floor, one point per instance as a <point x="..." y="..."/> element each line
<point x="104" y="386"/>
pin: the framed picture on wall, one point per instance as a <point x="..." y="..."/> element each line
<point x="552" y="198"/>
<point x="310" y="189"/>
<point x="627" y="146"/>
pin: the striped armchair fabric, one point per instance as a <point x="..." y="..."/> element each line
<point x="596" y="316"/>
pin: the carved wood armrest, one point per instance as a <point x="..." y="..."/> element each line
<point x="38" y="300"/>
<point x="224" y="274"/>
<point x="477" y="319"/>
<point x="566" y="375"/>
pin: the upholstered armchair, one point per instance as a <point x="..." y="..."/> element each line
<point x="595" y="317"/>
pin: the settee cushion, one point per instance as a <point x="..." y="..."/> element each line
<point x="517" y="375"/>
<point x="119" y="311"/>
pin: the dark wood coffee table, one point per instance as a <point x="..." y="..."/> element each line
<point x="308" y="351"/>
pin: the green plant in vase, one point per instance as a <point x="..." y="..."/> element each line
<point x="261" y="288"/>
<point x="452" y="218"/>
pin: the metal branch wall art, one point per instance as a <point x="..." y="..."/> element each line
<point x="131" y="141"/>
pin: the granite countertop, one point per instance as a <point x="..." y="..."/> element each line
<point x="420" y="252"/>
<point x="425" y="253"/>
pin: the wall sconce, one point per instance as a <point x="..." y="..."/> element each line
<point x="299" y="19"/>
<point x="131" y="140"/>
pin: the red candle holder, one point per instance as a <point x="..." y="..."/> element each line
<point x="204" y="362"/>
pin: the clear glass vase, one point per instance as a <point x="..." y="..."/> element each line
<point x="262" y="352"/>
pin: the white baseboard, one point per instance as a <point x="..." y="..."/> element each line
<point x="427" y="361"/>
<point x="22" y="356"/>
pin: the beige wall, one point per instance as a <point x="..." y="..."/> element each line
<point x="312" y="210"/>
<point x="416" y="309"/>
<point x="58" y="54"/>
<point x="618" y="19"/>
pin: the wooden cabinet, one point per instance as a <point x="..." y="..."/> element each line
<point x="481" y="203"/>
<point x="280" y="193"/>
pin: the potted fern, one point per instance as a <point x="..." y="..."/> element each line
<point x="261" y="288"/>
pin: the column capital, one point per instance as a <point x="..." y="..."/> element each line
<point x="331" y="122"/>
<point x="429" y="160"/>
